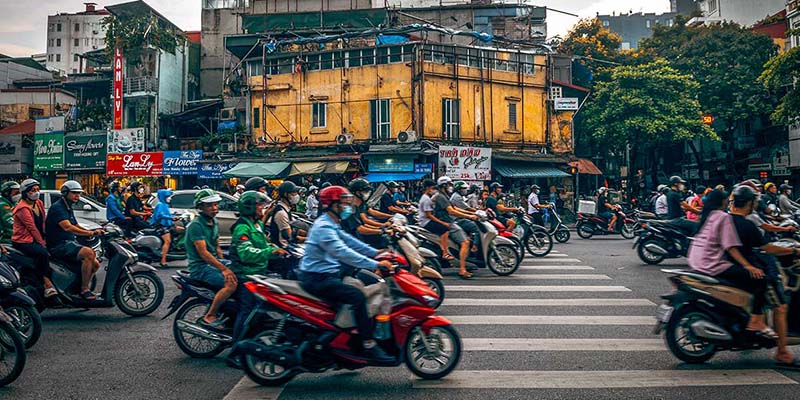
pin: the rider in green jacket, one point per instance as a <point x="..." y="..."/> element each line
<point x="10" y="197"/>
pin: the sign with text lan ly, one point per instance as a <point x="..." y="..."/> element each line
<point x="135" y="164"/>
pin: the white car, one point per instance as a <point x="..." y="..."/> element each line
<point x="87" y="208"/>
<point x="182" y="201"/>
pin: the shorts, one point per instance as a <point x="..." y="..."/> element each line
<point x="503" y="220"/>
<point x="435" y="228"/>
<point x="68" y="252"/>
<point x="457" y="233"/>
<point x="606" y="215"/>
<point x="208" y="274"/>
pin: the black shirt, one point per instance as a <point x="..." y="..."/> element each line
<point x="134" y="203"/>
<point x="491" y="203"/>
<point x="56" y="236"/>
<point x="601" y="204"/>
<point x="674" y="200"/>
<point x="440" y="204"/>
<point x="749" y="235"/>
<point x="386" y="201"/>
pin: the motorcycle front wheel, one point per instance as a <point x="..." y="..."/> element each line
<point x="12" y="354"/>
<point x="561" y="235"/>
<point x="628" y="230"/>
<point x="503" y="260"/>
<point x="141" y="296"/>
<point x="435" y="355"/>
<point x="682" y="343"/>
<point x="28" y="322"/>
<point x="437" y="286"/>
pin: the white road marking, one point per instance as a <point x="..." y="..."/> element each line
<point x="556" y="254"/>
<point x="479" y="344"/>
<point x="249" y="390"/>
<point x="449" y="301"/>
<point x="533" y="260"/>
<point x="553" y="267"/>
<point x="552" y="319"/>
<point x="564" y="277"/>
<point x="603" y="379"/>
<point x="534" y="288"/>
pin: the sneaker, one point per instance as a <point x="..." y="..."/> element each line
<point x="377" y="355"/>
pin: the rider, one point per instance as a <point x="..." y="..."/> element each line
<point x="606" y="210"/>
<point x="28" y="237"/>
<point x="280" y="227"/>
<point x="534" y="206"/>
<point x="62" y="229"/>
<point x="134" y="208"/>
<point x="459" y="197"/>
<point x="205" y="255"/>
<point x="10" y="197"/>
<point x="430" y="221"/>
<point x="359" y="224"/>
<point x="238" y="193"/>
<point x="443" y="209"/>
<point x="388" y="204"/>
<point x="300" y="207"/>
<point x="399" y="196"/>
<point x="660" y="204"/>
<point x="495" y="190"/>
<point x="474" y="197"/>
<point x="785" y="203"/>
<point x="260" y="184"/>
<point x="162" y="217"/>
<point x="312" y="203"/>
<point x="770" y="194"/>
<point x="327" y="248"/>
<point x="697" y="203"/>
<point x="676" y="205"/>
<point x="115" y="211"/>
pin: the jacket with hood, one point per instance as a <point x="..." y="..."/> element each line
<point x="25" y="229"/>
<point x="162" y="216"/>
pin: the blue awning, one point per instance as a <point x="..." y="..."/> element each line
<point x="393" y="176"/>
<point x="522" y="170"/>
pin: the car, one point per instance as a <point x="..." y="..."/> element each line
<point x="87" y="208"/>
<point x="182" y="201"/>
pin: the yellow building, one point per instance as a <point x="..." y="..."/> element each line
<point x="441" y="93"/>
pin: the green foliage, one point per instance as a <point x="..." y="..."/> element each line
<point x="782" y="74"/>
<point x="725" y="59"/>
<point x="134" y="33"/>
<point x="91" y="117"/>
<point x="645" y="105"/>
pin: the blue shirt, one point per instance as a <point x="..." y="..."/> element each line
<point x="58" y="212"/>
<point x="113" y="211"/>
<point x="328" y="246"/>
<point x="399" y="196"/>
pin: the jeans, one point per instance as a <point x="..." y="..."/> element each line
<point x="739" y="277"/>
<point x="40" y="257"/>
<point x="247" y="302"/>
<point x="330" y="287"/>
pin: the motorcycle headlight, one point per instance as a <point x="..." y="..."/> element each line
<point x="4" y="282"/>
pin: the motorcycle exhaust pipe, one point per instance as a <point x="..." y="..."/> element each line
<point x="710" y="331"/>
<point x="281" y="355"/>
<point x="656" y="249"/>
<point x="198" y="330"/>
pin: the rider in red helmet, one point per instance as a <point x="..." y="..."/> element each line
<point x="328" y="248"/>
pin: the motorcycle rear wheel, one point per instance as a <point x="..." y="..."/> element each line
<point x="628" y="230"/>
<point x="443" y="339"/>
<point x="647" y="256"/>
<point x="12" y="354"/>
<point x="562" y="235"/>
<point x="539" y="243"/>
<point x="263" y="372"/>
<point x="679" y="328"/>
<point x="584" y="230"/>
<point x="503" y="260"/>
<point x="194" y="346"/>
<point x="27" y="321"/>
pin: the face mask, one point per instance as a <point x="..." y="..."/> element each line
<point x="449" y="190"/>
<point x="366" y="195"/>
<point x="347" y="211"/>
<point x="15" y="198"/>
<point x="33" y="196"/>
<point x="295" y="199"/>
<point x="140" y="190"/>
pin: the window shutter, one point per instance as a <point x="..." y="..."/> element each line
<point x="444" y="119"/>
<point x="373" y="113"/>
<point x="457" y="119"/>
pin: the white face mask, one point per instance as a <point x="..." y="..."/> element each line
<point x="294" y="199"/>
<point x="366" y="195"/>
<point x="33" y="196"/>
<point x="140" y="190"/>
<point x="15" y="198"/>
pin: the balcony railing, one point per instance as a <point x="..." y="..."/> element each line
<point x="140" y="85"/>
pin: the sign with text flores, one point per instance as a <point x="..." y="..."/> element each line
<point x="117" y="104"/>
<point x="135" y="164"/>
<point x="86" y="150"/>
<point x="183" y="162"/>
<point x="466" y="162"/>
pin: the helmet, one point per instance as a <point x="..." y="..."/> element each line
<point x="248" y="201"/>
<point x="661" y="188"/>
<point x="675" y="179"/>
<point x="255" y="183"/>
<point x="474" y="188"/>
<point x="206" y="196"/>
<point x="783" y="187"/>
<point x="743" y="194"/>
<point x="28" y="184"/>
<point x="391" y="184"/>
<point x="494" y="186"/>
<point x="67" y="187"/>
<point x="700" y="189"/>
<point x="324" y="185"/>
<point x="428" y="183"/>
<point x="301" y="190"/>
<point x="359" y="185"/>
<point x="401" y="184"/>
<point x="443" y="180"/>
<point x="286" y="188"/>
<point x="460" y="185"/>
<point x="756" y="183"/>
<point x="749" y="183"/>
<point x="135" y="186"/>
<point x="7" y="187"/>
<point x="768" y="185"/>
<point x="312" y="188"/>
<point x="535" y="186"/>
<point x="332" y="194"/>
<point x="602" y="189"/>
<point x="113" y="186"/>
<point x="239" y="187"/>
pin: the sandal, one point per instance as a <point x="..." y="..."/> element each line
<point x="448" y="257"/>
<point x="766" y="333"/>
<point x="163" y="266"/>
<point x="465" y="276"/>
<point x="50" y="292"/>
<point x="88" y="295"/>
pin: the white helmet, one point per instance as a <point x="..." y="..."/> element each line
<point x="602" y="190"/>
<point x="443" y="180"/>
<point x="71" y="186"/>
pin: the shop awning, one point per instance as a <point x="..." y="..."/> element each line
<point x="375" y="177"/>
<point x="265" y="170"/>
<point x="520" y="170"/>
<point x="318" y="167"/>
<point x="586" y="166"/>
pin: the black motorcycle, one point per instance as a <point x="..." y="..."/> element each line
<point x="659" y="240"/>
<point x="12" y="350"/>
<point x="18" y="305"/>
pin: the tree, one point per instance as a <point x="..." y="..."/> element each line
<point x="644" y="106"/>
<point x="134" y="33"/>
<point x="782" y="74"/>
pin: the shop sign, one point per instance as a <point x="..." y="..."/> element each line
<point x="118" y="60"/>
<point x="213" y="170"/>
<point x="122" y="141"/>
<point x="48" y="152"/>
<point x="423" y="168"/>
<point x="181" y="162"/>
<point x="391" y="164"/>
<point x="466" y="162"/>
<point x="566" y="104"/>
<point x="49" y="124"/>
<point x="135" y="164"/>
<point x="85" y="150"/>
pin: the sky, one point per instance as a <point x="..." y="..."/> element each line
<point x="23" y="24"/>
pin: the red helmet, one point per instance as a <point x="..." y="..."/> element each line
<point x="332" y="194"/>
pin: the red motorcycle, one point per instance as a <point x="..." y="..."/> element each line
<point x="589" y="225"/>
<point x="311" y="336"/>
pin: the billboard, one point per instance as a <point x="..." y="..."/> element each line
<point x="85" y="150"/>
<point x="129" y="140"/>
<point x="48" y="152"/>
<point x="117" y="104"/>
<point x="183" y="162"/>
<point x="466" y="162"/>
<point x="135" y="164"/>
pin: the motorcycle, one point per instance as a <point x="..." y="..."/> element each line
<point x="660" y="240"/>
<point x="497" y="253"/>
<point x="590" y="225"/>
<point x="420" y="261"/>
<point x="129" y="284"/>
<point x="148" y="243"/>
<point x="704" y="315"/>
<point x="312" y="337"/>
<point x="19" y="306"/>
<point x="538" y="241"/>
<point x="558" y="230"/>
<point x="12" y="350"/>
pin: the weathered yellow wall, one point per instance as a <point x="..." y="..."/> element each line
<point x="16" y="113"/>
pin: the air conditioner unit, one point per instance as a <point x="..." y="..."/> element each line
<point x="226" y="147"/>
<point x="344" y="138"/>
<point x="406" y="137"/>
<point x="227" y="114"/>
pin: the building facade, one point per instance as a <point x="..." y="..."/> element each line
<point x="743" y="12"/>
<point x="634" y="27"/>
<point x="70" y="35"/>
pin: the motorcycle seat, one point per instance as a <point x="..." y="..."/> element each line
<point x="184" y="274"/>
<point x="149" y="231"/>
<point x="694" y="275"/>
<point x="293" y="287"/>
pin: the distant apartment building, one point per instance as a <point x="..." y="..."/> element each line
<point x="793" y="20"/>
<point x="743" y="12"/>
<point x="634" y="27"/>
<point x="70" y="35"/>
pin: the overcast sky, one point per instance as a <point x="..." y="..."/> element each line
<point x="23" y="24"/>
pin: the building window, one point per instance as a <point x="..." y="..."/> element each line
<point x="380" y="114"/>
<point x="451" y="119"/>
<point x="50" y="27"/>
<point x="669" y="22"/>
<point x="625" y="46"/>
<point x="512" y="116"/>
<point x="74" y="70"/>
<point x="319" y="115"/>
<point x="77" y="27"/>
<point x="49" y="57"/>
<point x="58" y="57"/>
<point x="605" y="23"/>
<point x="647" y="23"/>
<point x="712" y="6"/>
<point x="256" y="117"/>
<point x="58" y="42"/>
<point x="75" y="57"/>
<point x="86" y="42"/>
<point x="555" y="92"/>
<point x="76" y="42"/>
<point x="50" y="42"/>
<point x="58" y="27"/>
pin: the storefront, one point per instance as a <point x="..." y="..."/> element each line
<point x="399" y="163"/>
<point x="48" y="159"/>
<point x="85" y="160"/>
<point x="16" y="156"/>
<point x="211" y="173"/>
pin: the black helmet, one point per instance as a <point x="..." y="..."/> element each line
<point x="135" y="186"/>
<point x="359" y="185"/>
<point x="113" y="186"/>
<point x="324" y="185"/>
<point x="785" y="186"/>
<point x="675" y="179"/>
<point x="401" y="184"/>
<point x="474" y="188"/>
<point x="255" y="183"/>
<point x="428" y="183"/>
<point x="286" y="188"/>
<point x="391" y="184"/>
<point x="743" y="194"/>
<point x="494" y="186"/>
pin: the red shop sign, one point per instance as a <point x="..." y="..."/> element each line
<point x="117" y="88"/>
<point x="135" y="164"/>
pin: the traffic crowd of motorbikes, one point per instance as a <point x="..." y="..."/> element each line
<point x="315" y="278"/>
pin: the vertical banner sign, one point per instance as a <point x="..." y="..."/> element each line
<point x="117" y="88"/>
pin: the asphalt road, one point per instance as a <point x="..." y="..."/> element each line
<point x="576" y="324"/>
